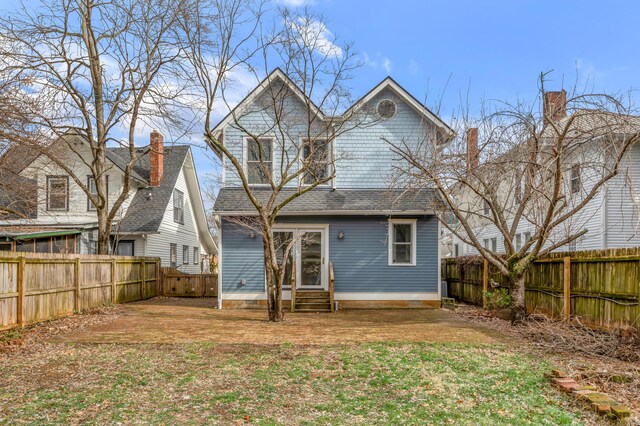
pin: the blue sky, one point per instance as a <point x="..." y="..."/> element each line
<point x="488" y="49"/>
<point x="448" y="52"/>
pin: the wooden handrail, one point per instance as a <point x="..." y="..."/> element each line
<point x="332" y="281"/>
<point x="293" y="287"/>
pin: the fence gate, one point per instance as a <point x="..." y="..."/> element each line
<point x="179" y="284"/>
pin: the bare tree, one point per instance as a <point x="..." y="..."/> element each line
<point x="96" y="70"/>
<point x="289" y="151"/>
<point x="533" y="173"/>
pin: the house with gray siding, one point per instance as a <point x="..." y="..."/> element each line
<point x="381" y="242"/>
<point x="163" y="215"/>
<point x="611" y="218"/>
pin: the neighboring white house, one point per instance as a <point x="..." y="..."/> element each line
<point x="163" y="216"/>
<point x="610" y="218"/>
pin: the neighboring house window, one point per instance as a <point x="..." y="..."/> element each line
<point x="494" y="245"/>
<point x="318" y="165"/>
<point x="259" y="160"/>
<point x="573" y="245"/>
<point x="178" y="206"/>
<point x="486" y="243"/>
<point x="173" y="255"/>
<point x="402" y="242"/>
<point x="518" y="242"/>
<point x="125" y="248"/>
<point x="93" y="188"/>
<point x="57" y="193"/>
<point x="575" y="179"/>
<point x="486" y="208"/>
<point x="185" y="255"/>
<point x="527" y="237"/>
<point x="196" y="256"/>
<point x="456" y="250"/>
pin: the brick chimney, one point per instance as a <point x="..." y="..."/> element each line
<point x="555" y="106"/>
<point x="472" y="148"/>
<point x="156" y="158"/>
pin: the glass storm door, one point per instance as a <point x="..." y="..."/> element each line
<point x="311" y="259"/>
<point x="282" y="240"/>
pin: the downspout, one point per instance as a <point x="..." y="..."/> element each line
<point x="219" y="300"/>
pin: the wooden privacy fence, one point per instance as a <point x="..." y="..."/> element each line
<point x="601" y="287"/>
<point x="39" y="287"/>
<point x="179" y="284"/>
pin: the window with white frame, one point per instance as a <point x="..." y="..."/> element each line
<point x="486" y="243"/>
<point x="57" y="193"/>
<point x="316" y="157"/>
<point x="259" y="162"/>
<point x="178" y="206"/>
<point x="494" y="244"/>
<point x="93" y="189"/>
<point x="575" y="179"/>
<point x="486" y="208"/>
<point x="185" y="255"/>
<point x="402" y="242"/>
<point x="527" y="237"/>
<point x="518" y="242"/>
<point x="173" y="255"/>
<point x="196" y="255"/>
<point x="456" y="250"/>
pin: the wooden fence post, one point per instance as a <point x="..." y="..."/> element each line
<point x="485" y="282"/>
<point x="114" y="294"/>
<point x="20" y="304"/>
<point x="567" y="287"/>
<point x="76" y="283"/>
<point x="143" y="283"/>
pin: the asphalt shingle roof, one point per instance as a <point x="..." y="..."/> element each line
<point x="149" y="204"/>
<point x="325" y="201"/>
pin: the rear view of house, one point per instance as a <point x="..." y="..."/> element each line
<point x="378" y="243"/>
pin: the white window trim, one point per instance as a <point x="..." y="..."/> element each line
<point x="414" y="242"/>
<point x="245" y="150"/>
<point x="331" y="162"/>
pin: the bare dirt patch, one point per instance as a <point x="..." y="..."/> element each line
<point x="172" y="320"/>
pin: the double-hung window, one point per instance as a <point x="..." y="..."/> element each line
<point x="196" y="255"/>
<point x="575" y="179"/>
<point x="173" y="255"/>
<point x="93" y="189"/>
<point x="259" y="162"/>
<point x="402" y="242"/>
<point x="185" y="255"/>
<point x="316" y="159"/>
<point x="494" y="244"/>
<point x="57" y="193"/>
<point x="178" y="206"/>
<point x="518" y="242"/>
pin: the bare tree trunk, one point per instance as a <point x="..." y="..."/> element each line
<point x="104" y="231"/>
<point x="274" y="287"/>
<point x="518" y="307"/>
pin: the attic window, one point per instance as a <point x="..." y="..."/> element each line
<point x="386" y="108"/>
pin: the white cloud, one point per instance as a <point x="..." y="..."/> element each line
<point x="295" y="3"/>
<point x="315" y="35"/>
<point x="378" y="62"/>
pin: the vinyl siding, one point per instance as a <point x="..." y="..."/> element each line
<point x="172" y="232"/>
<point x="363" y="157"/>
<point x="360" y="259"/>
<point x="621" y="222"/>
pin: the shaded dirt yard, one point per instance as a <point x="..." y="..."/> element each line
<point x="169" y="361"/>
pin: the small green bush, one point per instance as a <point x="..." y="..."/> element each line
<point x="499" y="298"/>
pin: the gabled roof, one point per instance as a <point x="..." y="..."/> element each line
<point x="419" y="107"/>
<point x="275" y="75"/>
<point x="145" y="213"/>
<point x="388" y="82"/>
<point x="234" y="201"/>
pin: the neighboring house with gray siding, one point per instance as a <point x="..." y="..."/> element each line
<point x="611" y="218"/>
<point x="163" y="216"/>
<point x="383" y="242"/>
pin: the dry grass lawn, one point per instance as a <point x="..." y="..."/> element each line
<point x="181" y="362"/>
